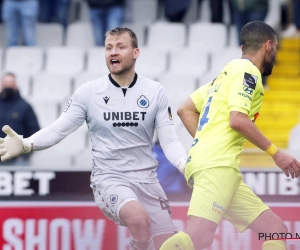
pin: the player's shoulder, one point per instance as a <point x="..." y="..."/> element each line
<point x="148" y="81"/>
<point x="99" y="82"/>
<point x="242" y="65"/>
<point x="149" y="84"/>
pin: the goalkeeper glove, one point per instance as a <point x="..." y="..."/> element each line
<point x="13" y="144"/>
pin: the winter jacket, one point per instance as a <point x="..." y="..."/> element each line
<point x="19" y="115"/>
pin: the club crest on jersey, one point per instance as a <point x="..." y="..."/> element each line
<point x="143" y="102"/>
<point x="113" y="198"/>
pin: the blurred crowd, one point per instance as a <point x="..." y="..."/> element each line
<point x="20" y="16"/>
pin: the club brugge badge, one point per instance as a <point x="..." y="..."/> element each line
<point x="143" y="102"/>
<point x="113" y="198"/>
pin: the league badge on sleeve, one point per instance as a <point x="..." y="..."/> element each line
<point x="170" y="113"/>
<point x="68" y="105"/>
<point x="250" y="81"/>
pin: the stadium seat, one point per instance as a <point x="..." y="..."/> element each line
<point x="46" y="110"/>
<point x="24" y="85"/>
<point x="1" y="59"/>
<point x="233" y="36"/>
<point x="80" y="34"/>
<point x="64" y="60"/>
<point x="220" y="58"/>
<point x="140" y="31"/>
<point x="178" y="88"/>
<point x="208" y="36"/>
<point x="143" y="11"/>
<point x="49" y="35"/>
<point x="193" y="62"/>
<point x="24" y="60"/>
<point x="96" y="61"/>
<point x="166" y="36"/>
<point x="84" y="78"/>
<point x="51" y="87"/>
<point x="151" y="63"/>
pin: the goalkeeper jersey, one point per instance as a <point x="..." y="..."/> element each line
<point x="121" y="123"/>
<point x="237" y="88"/>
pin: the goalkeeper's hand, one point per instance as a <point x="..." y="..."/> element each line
<point x="13" y="145"/>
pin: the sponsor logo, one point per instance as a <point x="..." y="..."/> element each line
<point x="127" y="116"/>
<point x="170" y="113"/>
<point x="106" y="99"/>
<point x="261" y="93"/>
<point x="246" y="96"/>
<point x="113" y="198"/>
<point x="250" y="80"/>
<point x="143" y="102"/>
<point x="248" y="90"/>
<point x="278" y="236"/>
<point x="218" y="209"/>
<point x="68" y="105"/>
<point x="164" y="204"/>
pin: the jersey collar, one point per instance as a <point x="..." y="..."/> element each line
<point x="118" y="86"/>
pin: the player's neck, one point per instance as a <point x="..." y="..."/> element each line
<point x="125" y="79"/>
<point x="255" y="59"/>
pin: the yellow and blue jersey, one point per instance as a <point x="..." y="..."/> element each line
<point x="238" y="87"/>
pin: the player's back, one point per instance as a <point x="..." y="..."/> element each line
<point x="238" y="87"/>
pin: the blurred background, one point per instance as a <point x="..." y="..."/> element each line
<point x="51" y="47"/>
<point x="57" y="45"/>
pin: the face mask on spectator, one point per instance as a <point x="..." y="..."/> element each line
<point x="7" y="93"/>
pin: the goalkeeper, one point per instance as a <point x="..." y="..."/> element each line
<point x="122" y="110"/>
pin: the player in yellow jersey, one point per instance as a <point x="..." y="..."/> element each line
<point x="220" y="115"/>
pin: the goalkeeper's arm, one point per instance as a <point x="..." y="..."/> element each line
<point x="14" y="145"/>
<point x="172" y="147"/>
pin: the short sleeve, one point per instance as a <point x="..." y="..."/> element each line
<point x="241" y="91"/>
<point x="164" y="113"/>
<point x="198" y="97"/>
<point x="76" y="109"/>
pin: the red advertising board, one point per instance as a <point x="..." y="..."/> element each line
<point x="82" y="226"/>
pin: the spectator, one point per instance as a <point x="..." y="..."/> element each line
<point x="176" y="9"/>
<point x="294" y="29"/>
<point x="105" y="15"/>
<point x="16" y="112"/>
<point x="55" y="10"/>
<point x="217" y="10"/>
<point x="245" y="11"/>
<point x="20" y="14"/>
